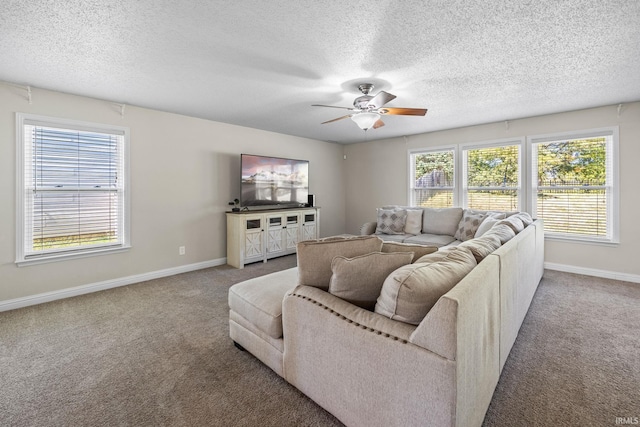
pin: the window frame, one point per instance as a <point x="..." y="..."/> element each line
<point x="22" y="259"/>
<point x="412" y="171"/>
<point x="613" y="202"/>
<point x="522" y="185"/>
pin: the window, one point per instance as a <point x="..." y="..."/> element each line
<point x="491" y="176"/>
<point x="574" y="184"/>
<point x="72" y="189"/>
<point x="432" y="182"/>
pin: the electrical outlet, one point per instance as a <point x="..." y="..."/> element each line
<point x="182" y="250"/>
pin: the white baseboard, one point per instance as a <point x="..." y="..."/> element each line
<point x="606" y="274"/>
<point x="107" y="284"/>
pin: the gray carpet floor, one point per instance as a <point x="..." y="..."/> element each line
<point x="158" y="353"/>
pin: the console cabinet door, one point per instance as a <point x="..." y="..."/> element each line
<point x="253" y="238"/>
<point x="275" y="235"/>
<point x="309" y="226"/>
<point x="292" y="232"/>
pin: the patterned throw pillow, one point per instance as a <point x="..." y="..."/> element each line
<point x="391" y="221"/>
<point x="469" y="225"/>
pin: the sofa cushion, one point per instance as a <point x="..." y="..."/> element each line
<point x="418" y="250"/>
<point x="502" y="232"/>
<point x="525" y="217"/>
<point x="358" y="280"/>
<point x="391" y="221"/>
<point x="437" y="240"/>
<point x="398" y="238"/>
<point x="491" y="220"/>
<point x="409" y="292"/>
<point x="315" y="256"/>
<point x="259" y="300"/>
<point x="480" y="247"/>
<point x="413" y="225"/>
<point x="469" y="224"/>
<point x="441" y="220"/>
<point x="514" y="222"/>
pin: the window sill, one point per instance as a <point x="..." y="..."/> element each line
<point x="70" y="255"/>
<point x="582" y="240"/>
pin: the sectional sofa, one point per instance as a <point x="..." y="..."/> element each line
<point x="429" y="360"/>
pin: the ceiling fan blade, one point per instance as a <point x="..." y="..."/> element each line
<point x="403" y="111"/>
<point x="333" y="106"/>
<point x="335" y="120"/>
<point x="381" y="98"/>
<point x="378" y="124"/>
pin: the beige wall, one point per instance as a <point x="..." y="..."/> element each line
<point x="377" y="171"/>
<point x="184" y="171"/>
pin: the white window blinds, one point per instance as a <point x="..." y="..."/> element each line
<point x="574" y="185"/>
<point x="73" y="189"/>
<point x="432" y="182"/>
<point x="492" y="177"/>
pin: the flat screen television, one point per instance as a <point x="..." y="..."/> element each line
<point x="273" y="181"/>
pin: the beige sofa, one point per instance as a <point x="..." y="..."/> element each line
<point x="370" y="370"/>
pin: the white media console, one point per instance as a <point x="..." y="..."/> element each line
<point x="259" y="235"/>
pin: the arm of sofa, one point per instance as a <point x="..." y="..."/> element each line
<point x="368" y="228"/>
<point x="464" y="325"/>
<point x="359" y="365"/>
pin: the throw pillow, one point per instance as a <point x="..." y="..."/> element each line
<point x="315" y="256"/>
<point x="480" y="247"/>
<point x="489" y="222"/>
<point x="414" y="221"/>
<point x="469" y="224"/>
<point x="418" y="250"/>
<point x="411" y="291"/>
<point x="358" y="280"/>
<point x="391" y="221"/>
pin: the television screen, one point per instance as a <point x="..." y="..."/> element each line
<point x="273" y="181"/>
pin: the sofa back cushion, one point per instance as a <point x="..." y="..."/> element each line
<point x="409" y="292"/>
<point x="414" y="221"/>
<point x="502" y="231"/>
<point x="441" y="220"/>
<point x="359" y="280"/>
<point x="417" y="250"/>
<point x="315" y="256"/>
<point x="480" y="247"/>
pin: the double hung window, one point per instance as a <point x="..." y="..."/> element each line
<point x="492" y="176"/>
<point x="574" y="184"/>
<point x="432" y="178"/>
<point x="72" y="189"/>
<point x="570" y="180"/>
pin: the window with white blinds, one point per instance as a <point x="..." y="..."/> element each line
<point x="574" y="184"/>
<point x="432" y="183"/>
<point x="492" y="176"/>
<point x="73" y="189"/>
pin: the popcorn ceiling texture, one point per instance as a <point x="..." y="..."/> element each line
<point x="262" y="64"/>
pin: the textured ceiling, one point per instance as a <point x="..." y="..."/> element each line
<point x="262" y="64"/>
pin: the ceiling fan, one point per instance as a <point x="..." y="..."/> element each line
<point x="367" y="109"/>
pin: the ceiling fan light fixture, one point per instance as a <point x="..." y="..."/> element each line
<point x="365" y="120"/>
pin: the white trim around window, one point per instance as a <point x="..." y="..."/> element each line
<point x="595" y="203"/>
<point x="602" y="213"/>
<point x="446" y="187"/>
<point x="519" y="188"/>
<point x="72" y="189"/>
